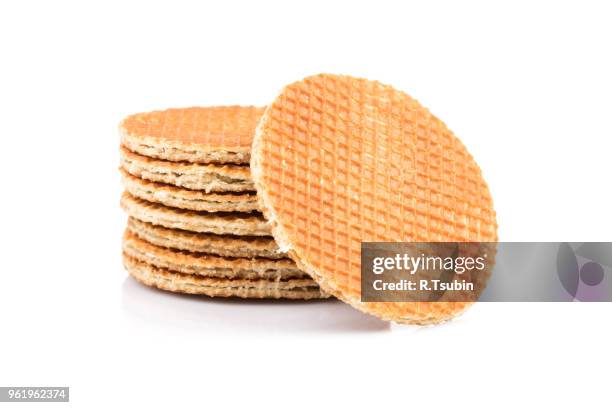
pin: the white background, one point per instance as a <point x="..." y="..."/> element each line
<point x="526" y="86"/>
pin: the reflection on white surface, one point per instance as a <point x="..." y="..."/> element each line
<point x="161" y="308"/>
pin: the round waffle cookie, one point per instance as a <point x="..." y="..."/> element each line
<point x="224" y="245"/>
<point x="188" y="199"/>
<point x="221" y="134"/>
<point x="194" y="176"/>
<point x="233" y="223"/>
<point x="195" y="263"/>
<point x="338" y="161"/>
<point x="298" y="289"/>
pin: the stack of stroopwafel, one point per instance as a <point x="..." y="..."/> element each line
<point x="194" y="223"/>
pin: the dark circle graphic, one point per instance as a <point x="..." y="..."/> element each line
<point x="591" y="273"/>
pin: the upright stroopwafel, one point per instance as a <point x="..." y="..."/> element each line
<point x="338" y="161"/>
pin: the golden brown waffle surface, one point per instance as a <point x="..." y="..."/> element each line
<point x="221" y="134"/>
<point x="338" y="161"/>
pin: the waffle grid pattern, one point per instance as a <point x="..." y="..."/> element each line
<point x="340" y="160"/>
<point x="218" y="126"/>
